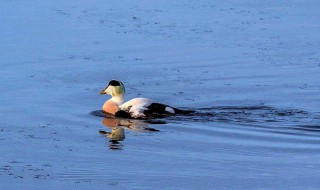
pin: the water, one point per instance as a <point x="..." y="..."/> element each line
<point x="249" y="69"/>
<point x="247" y="147"/>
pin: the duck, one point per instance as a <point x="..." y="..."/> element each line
<point x="140" y="108"/>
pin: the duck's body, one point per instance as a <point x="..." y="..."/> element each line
<point x="145" y="107"/>
<point x="135" y="108"/>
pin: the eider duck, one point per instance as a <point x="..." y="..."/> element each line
<point x="135" y="108"/>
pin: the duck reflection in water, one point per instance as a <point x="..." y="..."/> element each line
<point x="118" y="126"/>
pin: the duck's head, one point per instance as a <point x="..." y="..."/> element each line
<point x="115" y="88"/>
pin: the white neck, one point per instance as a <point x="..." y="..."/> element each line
<point x="118" y="99"/>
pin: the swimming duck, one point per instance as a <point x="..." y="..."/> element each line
<point x="135" y="108"/>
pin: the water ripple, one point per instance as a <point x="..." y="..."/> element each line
<point x="290" y="121"/>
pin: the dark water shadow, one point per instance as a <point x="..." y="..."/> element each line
<point x="246" y="114"/>
<point x="257" y="116"/>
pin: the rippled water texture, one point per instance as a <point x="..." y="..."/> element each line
<point x="249" y="69"/>
<point x="259" y="118"/>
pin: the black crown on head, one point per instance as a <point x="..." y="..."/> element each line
<point x="115" y="83"/>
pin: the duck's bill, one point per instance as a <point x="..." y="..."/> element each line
<point x="103" y="91"/>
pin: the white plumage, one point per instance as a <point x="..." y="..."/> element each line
<point x="136" y="106"/>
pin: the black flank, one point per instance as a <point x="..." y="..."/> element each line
<point x="123" y="114"/>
